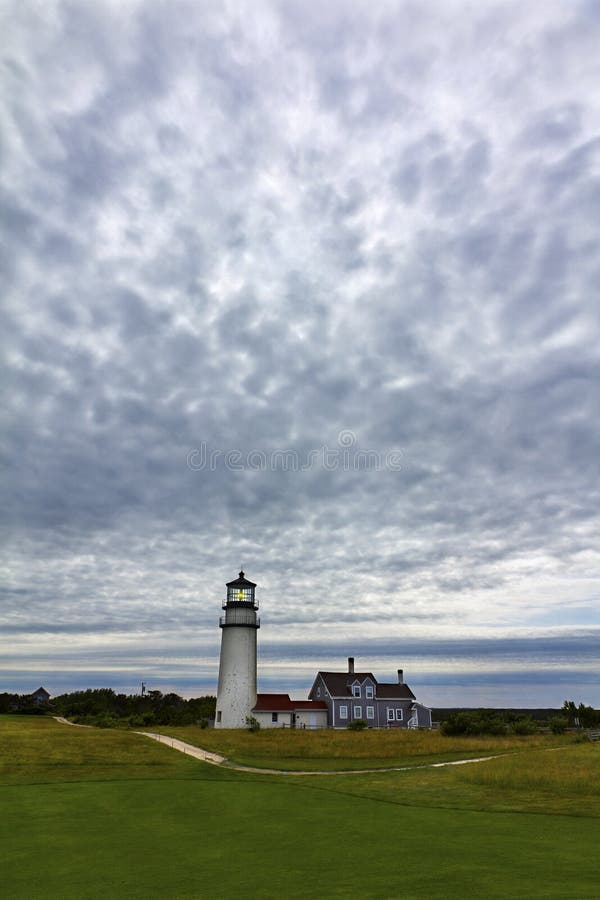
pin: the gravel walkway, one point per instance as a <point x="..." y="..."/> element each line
<point x="64" y="721"/>
<point x="183" y="747"/>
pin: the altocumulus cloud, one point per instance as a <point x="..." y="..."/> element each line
<point x="255" y="228"/>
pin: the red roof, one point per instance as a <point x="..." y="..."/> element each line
<point x="309" y="704"/>
<point x="282" y="703"/>
<point x="270" y="702"/>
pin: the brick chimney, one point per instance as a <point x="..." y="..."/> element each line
<point x="400" y="676"/>
<point x="350" y="665"/>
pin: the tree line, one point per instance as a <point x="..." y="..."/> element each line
<point x="105" y="708"/>
<point x="495" y="722"/>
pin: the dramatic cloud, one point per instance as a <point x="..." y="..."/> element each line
<point x="311" y="290"/>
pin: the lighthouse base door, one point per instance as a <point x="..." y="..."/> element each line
<point x="312" y="720"/>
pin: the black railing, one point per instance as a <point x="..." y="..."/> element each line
<point x="246" y="620"/>
<point x="240" y="604"/>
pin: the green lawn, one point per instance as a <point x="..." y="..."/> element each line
<point x="88" y="813"/>
<point x="35" y="749"/>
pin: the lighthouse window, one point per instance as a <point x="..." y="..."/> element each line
<point x="219" y="716"/>
<point x="242" y="594"/>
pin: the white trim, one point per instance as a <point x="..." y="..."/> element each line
<point x="343" y="712"/>
<point x="357" y="712"/>
<point x="370" y="712"/>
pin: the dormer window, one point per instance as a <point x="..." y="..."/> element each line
<point x="369" y="692"/>
<point x="356" y="690"/>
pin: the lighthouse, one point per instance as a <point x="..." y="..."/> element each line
<point x="236" y="693"/>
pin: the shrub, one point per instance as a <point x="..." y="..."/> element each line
<point x="524" y="725"/>
<point x="253" y="724"/>
<point x="558" y="724"/>
<point x="136" y="721"/>
<point x="480" y="721"/>
<point x="357" y="725"/>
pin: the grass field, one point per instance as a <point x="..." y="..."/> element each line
<point x="294" y="750"/>
<point x="89" y="813"/>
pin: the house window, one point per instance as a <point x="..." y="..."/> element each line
<point x="369" y="692"/>
<point x="343" y="712"/>
<point x="398" y="715"/>
<point x="356" y="690"/>
<point x="318" y="692"/>
<point x="370" y="712"/>
<point x="358" y="712"/>
<point x="274" y="717"/>
<point x="390" y="714"/>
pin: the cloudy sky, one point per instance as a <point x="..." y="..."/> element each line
<point x="312" y="289"/>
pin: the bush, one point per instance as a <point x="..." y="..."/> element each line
<point x="357" y="725"/>
<point x="558" y="724"/>
<point x="103" y="720"/>
<point x="524" y="725"/>
<point x="253" y="724"/>
<point x="481" y="721"/>
<point x="136" y="721"/>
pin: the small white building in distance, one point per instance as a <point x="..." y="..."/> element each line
<point x="335" y="700"/>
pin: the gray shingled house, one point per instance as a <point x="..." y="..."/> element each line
<point x="351" y="696"/>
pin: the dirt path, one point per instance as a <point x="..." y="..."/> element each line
<point x="64" y="721"/>
<point x="183" y="747"/>
<point x="215" y="759"/>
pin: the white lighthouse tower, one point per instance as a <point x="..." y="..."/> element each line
<point x="236" y="693"/>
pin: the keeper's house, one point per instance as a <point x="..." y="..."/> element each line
<point x="351" y="696"/>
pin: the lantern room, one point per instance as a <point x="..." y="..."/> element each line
<point x="241" y="591"/>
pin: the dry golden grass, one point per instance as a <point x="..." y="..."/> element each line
<point x="568" y="771"/>
<point x="325" y="749"/>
